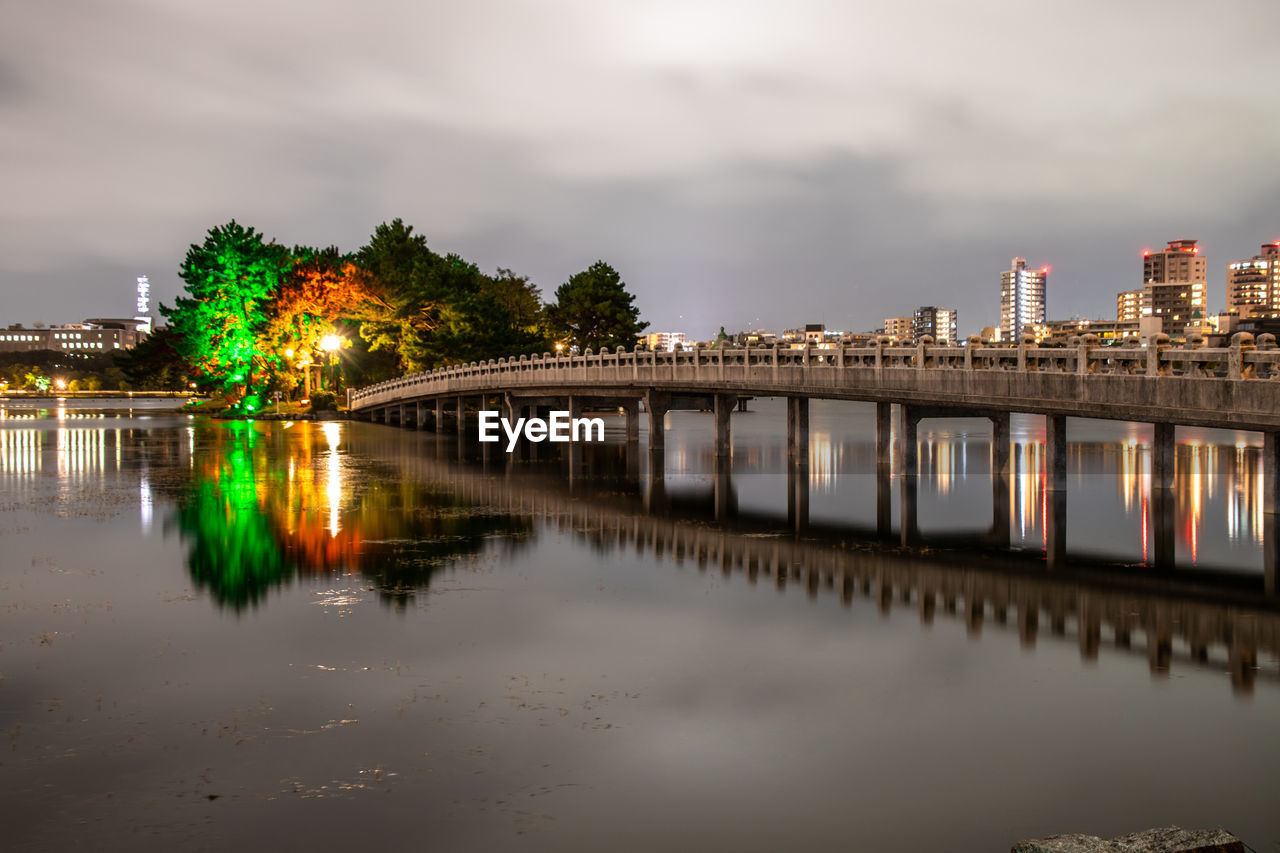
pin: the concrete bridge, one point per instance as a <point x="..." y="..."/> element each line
<point x="1214" y="621"/>
<point x="1236" y="387"/>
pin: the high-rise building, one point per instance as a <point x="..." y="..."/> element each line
<point x="1129" y="306"/>
<point x="1175" y="288"/>
<point x="1253" y="286"/>
<point x="940" y="323"/>
<point x="1022" y="298"/>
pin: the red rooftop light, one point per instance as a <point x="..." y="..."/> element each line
<point x="1044" y="269"/>
<point x="1146" y="253"/>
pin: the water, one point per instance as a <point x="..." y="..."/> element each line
<point x="338" y="634"/>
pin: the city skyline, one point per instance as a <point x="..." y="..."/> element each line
<point x="739" y="166"/>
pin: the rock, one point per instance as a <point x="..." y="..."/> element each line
<point x="1169" y="839"/>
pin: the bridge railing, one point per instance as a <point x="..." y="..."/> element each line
<point x="1242" y="361"/>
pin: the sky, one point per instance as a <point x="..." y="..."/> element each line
<point x="741" y="163"/>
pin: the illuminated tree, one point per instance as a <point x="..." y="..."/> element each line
<point x="593" y="309"/>
<point x="230" y="279"/>
<point x="321" y="294"/>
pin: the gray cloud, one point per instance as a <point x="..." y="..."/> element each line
<point x="734" y="160"/>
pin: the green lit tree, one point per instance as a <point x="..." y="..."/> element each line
<point x="230" y="280"/>
<point x="593" y="309"/>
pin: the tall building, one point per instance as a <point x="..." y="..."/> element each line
<point x="1174" y="287"/>
<point x="940" y="323"/>
<point x="1129" y="306"/>
<point x="1022" y="298"/>
<point x="1253" y="286"/>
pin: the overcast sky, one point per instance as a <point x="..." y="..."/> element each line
<point x="740" y="163"/>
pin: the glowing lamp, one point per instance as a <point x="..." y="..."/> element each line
<point x="329" y="343"/>
<point x="1146" y="253"/>
<point x="288" y="353"/>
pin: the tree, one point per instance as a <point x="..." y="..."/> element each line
<point x="593" y="309"/>
<point x="155" y="363"/>
<point x="230" y="278"/>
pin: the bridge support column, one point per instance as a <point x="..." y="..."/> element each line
<point x="632" y="409"/>
<point x="884" y="500"/>
<point x="1162" y="457"/>
<point x="1001" y="443"/>
<point x="726" y="499"/>
<point x="439" y="414"/>
<point x="462" y="416"/>
<point x="908" y="449"/>
<point x="884" y="435"/>
<point x="798" y="427"/>
<point x="798" y="494"/>
<point x="1271" y="509"/>
<point x="657" y="403"/>
<point x="908" y="496"/>
<point x="404" y="414"/>
<point x="723" y="411"/>
<point x="420" y="410"/>
<point x="1056" y="481"/>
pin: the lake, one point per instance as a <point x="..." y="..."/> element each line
<point x="337" y="634"/>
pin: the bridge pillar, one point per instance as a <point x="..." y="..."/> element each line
<point x="632" y="409"/>
<point x="908" y="497"/>
<point x="439" y="415"/>
<point x="1000" y="443"/>
<point x="657" y="403"/>
<point x="908" y="449"/>
<point x="462" y="415"/>
<point x="723" y="411"/>
<point x="798" y="494"/>
<point x="884" y="506"/>
<point x="1271" y="472"/>
<point x="1056" y="483"/>
<point x="420" y="412"/>
<point x="1162" y="457"/>
<point x="726" y="499"/>
<point x="884" y="433"/>
<point x="798" y="427"/>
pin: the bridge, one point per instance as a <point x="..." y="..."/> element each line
<point x="1235" y="387"/>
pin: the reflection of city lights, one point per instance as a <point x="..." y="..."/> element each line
<point x="824" y="461"/>
<point x="333" y="487"/>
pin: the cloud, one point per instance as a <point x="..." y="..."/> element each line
<point x="746" y="160"/>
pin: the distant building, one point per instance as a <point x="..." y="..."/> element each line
<point x="900" y="328"/>
<point x="1129" y="306"/>
<point x="1022" y="298"/>
<point x="1253" y="285"/>
<point x="96" y="335"/>
<point x="661" y="341"/>
<point x="1108" y="331"/>
<point x="990" y="334"/>
<point x="939" y="323"/>
<point x="1175" y="288"/>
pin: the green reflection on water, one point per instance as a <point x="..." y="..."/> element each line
<point x="264" y="507"/>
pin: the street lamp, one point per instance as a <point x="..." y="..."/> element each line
<point x="331" y="344"/>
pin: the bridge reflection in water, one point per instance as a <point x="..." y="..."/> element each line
<point x="1220" y="619"/>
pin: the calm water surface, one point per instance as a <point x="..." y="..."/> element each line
<point x="342" y="634"/>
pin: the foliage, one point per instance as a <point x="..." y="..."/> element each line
<point x="155" y="363"/>
<point x="230" y="279"/>
<point x="323" y="401"/>
<point x="594" y="309"/>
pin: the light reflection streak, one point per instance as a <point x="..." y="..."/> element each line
<point x="333" y="487"/>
